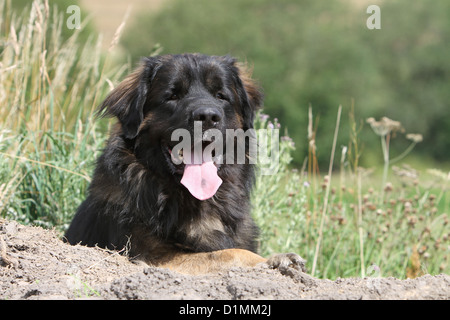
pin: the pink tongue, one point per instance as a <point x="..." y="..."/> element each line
<point x="201" y="180"/>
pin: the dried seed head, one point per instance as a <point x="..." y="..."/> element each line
<point x="384" y="126"/>
<point x="388" y="187"/>
<point x="365" y="198"/>
<point x="414" y="137"/>
<point x="412" y="220"/>
<point x="437" y="243"/>
<point x="406" y="172"/>
<point x="14" y="42"/>
<point x="46" y="9"/>
<point x="118" y="32"/>
<point x="422" y="250"/>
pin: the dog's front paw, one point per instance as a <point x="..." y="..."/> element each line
<point x="283" y="261"/>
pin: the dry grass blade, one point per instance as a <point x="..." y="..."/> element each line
<point x="119" y="31"/>
<point x="327" y="193"/>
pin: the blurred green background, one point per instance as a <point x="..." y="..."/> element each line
<point x="315" y="53"/>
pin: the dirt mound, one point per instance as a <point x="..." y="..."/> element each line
<point x="36" y="264"/>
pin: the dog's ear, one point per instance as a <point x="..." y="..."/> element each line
<point x="127" y="100"/>
<point x="250" y="94"/>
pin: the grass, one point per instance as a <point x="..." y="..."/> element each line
<point x="48" y="137"/>
<point x="346" y="223"/>
<point x="353" y="221"/>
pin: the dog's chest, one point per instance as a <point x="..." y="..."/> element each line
<point x="199" y="227"/>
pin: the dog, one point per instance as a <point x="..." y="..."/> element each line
<point x="193" y="218"/>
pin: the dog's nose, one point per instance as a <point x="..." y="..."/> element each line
<point x="209" y="116"/>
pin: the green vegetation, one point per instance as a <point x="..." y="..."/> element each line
<point x="58" y="8"/>
<point x="400" y="226"/>
<point x="343" y="223"/>
<point x="48" y="137"/>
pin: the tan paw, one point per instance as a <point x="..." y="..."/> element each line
<point x="283" y="261"/>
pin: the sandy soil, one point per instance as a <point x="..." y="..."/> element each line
<point x="36" y="264"/>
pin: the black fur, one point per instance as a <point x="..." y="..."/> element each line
<point x="136" y="195"/>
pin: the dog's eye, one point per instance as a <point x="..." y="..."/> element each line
<point x="174" y="96"/>
<point x="220" y="96"/>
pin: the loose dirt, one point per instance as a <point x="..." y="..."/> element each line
<point x="36" y="264"/>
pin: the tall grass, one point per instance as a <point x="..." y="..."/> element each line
<point x="49" y="88"/>
<point x="343" y="223"/>
<point x="344" y="226"/>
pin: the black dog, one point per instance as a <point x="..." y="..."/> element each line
<point x="190" y="218"/>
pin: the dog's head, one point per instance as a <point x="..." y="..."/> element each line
<point x="172" y="92"/>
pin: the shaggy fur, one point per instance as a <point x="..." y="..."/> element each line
<point x="136" y="199"/>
